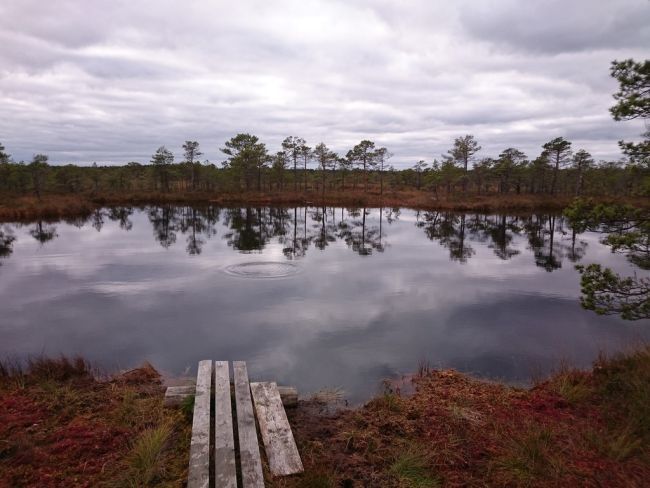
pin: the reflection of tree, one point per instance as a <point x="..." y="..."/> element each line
<point x="298" y="244"/>
<point x="7" y="239"/>
<point x="501" y="231"/>
<point x="248" y="232"/>
<point x="450" y="230"/>
<point x="392" y="214"/>
<point x="454" y="231"/>
<point x="543" y="231"/>
<point x="121" y="215"/>
<point x="78" y="221"/>
<point x="326" y="230"/>
<point x="577" y="250"/>
<point x="43" y="232"/>
<point x="165" y="224"/>
<point x="192" y="225"/>
<point x="542" y="243"/>
<point x="97" y="219"/>
<point x="358" y="235"/>
<point x="628" y="231"/>
<point x="195" y="222"/>
<point x="627" y="228"/>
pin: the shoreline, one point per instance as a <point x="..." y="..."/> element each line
<point x="57" y="206"/>
<point x="58" y="422"/>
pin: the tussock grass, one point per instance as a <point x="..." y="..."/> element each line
<point x="623" y="383"/>
<point x="43" y="368"/>
<point x="572" y="385"/>
<point x="412" y="468"/>
<point x="530" y="457"/>
<point x="58" y="417"/>
<point x="144" y="462"/>
<point x="388" y="401"/>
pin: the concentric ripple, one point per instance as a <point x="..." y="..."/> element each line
<point x="262" y="269"/>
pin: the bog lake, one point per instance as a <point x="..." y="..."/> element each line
<point x="309" y="297"/>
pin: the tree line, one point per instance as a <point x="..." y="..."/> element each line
<point x="299" y="168"/>
<point x="558" y="168"/>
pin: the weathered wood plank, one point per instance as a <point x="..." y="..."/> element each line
<point x="175" y="395"/>
<point x="225" y="469"/>
<point x="279" y="443"/>
<point x="289" y="396"/>
<point x="199" y="470"/>
<point x="249" y="451"/>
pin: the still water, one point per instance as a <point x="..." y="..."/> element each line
<point x="310" y="297"/>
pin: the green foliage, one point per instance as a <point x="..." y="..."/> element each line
<point x="628" y="231"/>
<point x="606" y="293"/>
<point x="633" y="97"/>
<point x="632" y="102"/>
<point x="246" y="157"/>
<point x="4" y="157"/>
<point x="463" y="151"/>
<point x="627" y="227"/>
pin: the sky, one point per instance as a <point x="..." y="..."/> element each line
<point x="112" y="80"/>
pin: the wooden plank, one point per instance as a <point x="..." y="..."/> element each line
<point x="175" y="395"/>
<point x="289" y="396"/>
<point x="249" y="451"/>
<point x="225" y="469"/>
<point x="279" y="443"/>
<point x="199" y="471"/>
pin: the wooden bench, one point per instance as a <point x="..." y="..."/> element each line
<point x="265" y="402"/>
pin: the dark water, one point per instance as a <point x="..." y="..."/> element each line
<point x="309" y="297"/>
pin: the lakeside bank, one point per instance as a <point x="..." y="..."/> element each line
<point x="58" y="206"/>
<point x="61" y="424"/>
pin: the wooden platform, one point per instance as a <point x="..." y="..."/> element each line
<point x="265" y="404"/>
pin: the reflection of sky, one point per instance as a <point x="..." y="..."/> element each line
<point x="345" y="320"/>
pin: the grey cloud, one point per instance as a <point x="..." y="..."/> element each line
<point x="557" y="26"/>
<point x="110" y="81"/>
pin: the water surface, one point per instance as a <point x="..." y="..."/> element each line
<point x="310" y="297"/>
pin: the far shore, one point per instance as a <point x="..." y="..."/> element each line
<point x="56" y="206"/>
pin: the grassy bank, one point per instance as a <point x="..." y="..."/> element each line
<point x="62" y="426"/>
<point x="59" y="426"/>
<point x="576" y="428"/>
<point x="57" y="206"/>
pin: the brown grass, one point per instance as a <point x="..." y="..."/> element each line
<point x="56" y="206"/>
<point x="61" y="426"/>
<point x="577" y="428"/>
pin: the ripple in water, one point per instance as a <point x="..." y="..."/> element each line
<point x="262" y="269"/>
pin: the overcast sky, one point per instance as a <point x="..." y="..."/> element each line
<point x="110" y="81"/>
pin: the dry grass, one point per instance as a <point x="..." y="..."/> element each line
<point x="62" y="426"/>
<point x="57" y="206"/>
<point x="577" y="428"/>
<point x="144" y="464"/>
